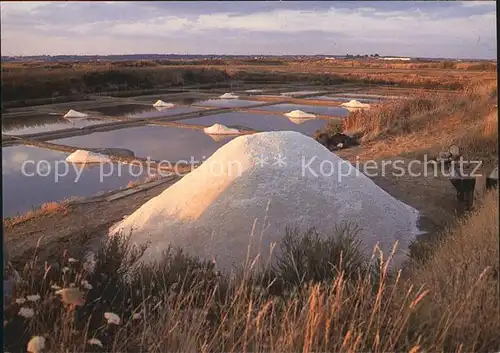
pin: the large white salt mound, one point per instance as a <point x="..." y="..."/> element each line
<point x="218" y="129"/>
<point x="276" y="179"/>
<point x="229" y="96"/>
<point x="74" y="114"/>
<point x="83" y="157"/>
<point x="299" y="114"/>
<point x="162" y="104"/>
<point x="355" y="104"/>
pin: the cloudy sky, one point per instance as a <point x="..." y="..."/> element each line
<point x="431" y="29"/>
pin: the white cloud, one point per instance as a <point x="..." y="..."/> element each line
<point x="478" y="3"/>
<point x="348" y="22"/>
<point x="409" y="31"/>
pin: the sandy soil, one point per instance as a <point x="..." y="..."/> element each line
<point x="72" y="228"/>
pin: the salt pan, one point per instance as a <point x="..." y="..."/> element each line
<point x="229" y="96"/>
<point x="83" y="156"/>
<point x="162" y="104"/>
<point x="74" y="114"/>
<point x="355" y="104"/>
<point x="299" y="114"/>
<point x="218" y="129"/>
<point x="275" y="179"/>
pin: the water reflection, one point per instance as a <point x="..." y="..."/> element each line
<point x="286" y="107"/>
<point x="43" y="123"/>
<point x="227" y="103"/>
<point x="347" y="99"/>
<point x="138" y="111"/>
<point x="259" y="122"/>
<point x="156" y="142"/>
<point x="46" y="178"/>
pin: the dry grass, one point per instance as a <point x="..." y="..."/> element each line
<point x="448" y="303"/>
<point x="428" y="123"/>
<point x="46" y="208"/>
<point x="30" y="83"/>
<point x="462" y="273"/>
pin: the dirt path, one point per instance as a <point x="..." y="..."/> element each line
<point x="57" y="231"/>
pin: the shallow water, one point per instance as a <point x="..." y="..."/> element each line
<point x="227" y="103"/>
<point x="55" y="180"/>
<point x="286" y="107"/>
<point x="346" y="99"/>
<point x="260" y="122"/>
<point x="156" y="142"/>
<point x="369" y="95"/>
<point x="169" y="99"/>
<point x="43" y="123"/>
<point x="298" y="93"/>
<point x="137" y="111"/>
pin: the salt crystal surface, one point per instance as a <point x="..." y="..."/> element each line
<point x="229" y="96"/>
<point x="211" y="211"/>
<point x="218" y="129"/>
<point x="83" y="156"/>
<point x="299" y="114"/>
<point x="161" y="104"/>
<point x="355" y="104"/>
<point x="74" y="114"/>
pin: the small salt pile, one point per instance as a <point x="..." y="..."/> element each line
<point x="355" y="104"/>
<point x="241" y="199"/>
<point x="299" y="114"/>
<point x="228" y="96"/>
<point x="83" y="157"/>
<point x="253" y="91"/>
<point x="161" y="104"/>
<point x="218" y="129"/>
<point x="74" y="114"/>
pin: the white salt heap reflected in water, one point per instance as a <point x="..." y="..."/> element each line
<point x="355" y="104"/>
<point x="261" y="178"/>
<point x="299" y="114"/>
<point x="228" y="96"/>
<point x="83" y="157"/>
<point x="74" y="114"/>
<point x="161" y="104"/>
<point x="218" y="129"/>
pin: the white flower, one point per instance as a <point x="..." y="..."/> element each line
<point x="86" y="285"/>
<point x="72" y="260"/>
<point x="36" y="344"/>
<point x="65" y="269"/>
<point x="20" y="301"/>
<point x="33" y="298"/>
<point x="55" y="287"/>
<point x="112" y="318"/>
<point x="95" y="341"/>
<point x="136" y="316"/>
<point x="26" y="312"/>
